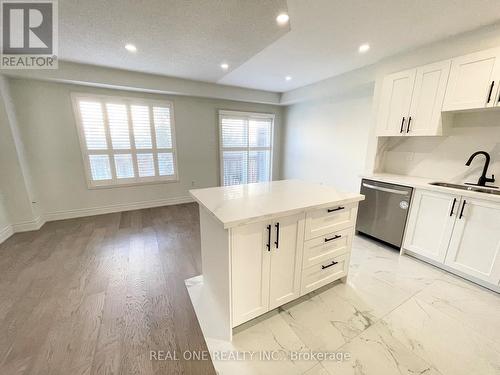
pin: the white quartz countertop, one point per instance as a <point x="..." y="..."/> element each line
<point x="240" y="204"/>
<point x="424" y="183"/>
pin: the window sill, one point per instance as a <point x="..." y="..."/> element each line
<point x="132" y="184"/>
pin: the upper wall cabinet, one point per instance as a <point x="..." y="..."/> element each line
<point x="474" y="81"/>
<point x="411" y="101"/>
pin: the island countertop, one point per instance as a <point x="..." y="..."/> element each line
<point x="241" y="204"/>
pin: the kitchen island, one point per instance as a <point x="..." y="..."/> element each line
<point x="266" y="244"/>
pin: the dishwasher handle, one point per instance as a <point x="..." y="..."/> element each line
<point x="387" y="190"/>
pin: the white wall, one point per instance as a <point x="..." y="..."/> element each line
<point x="307" y="99"/>
<point x="48" y="129"/>
<point x="325" y="141"/>
<point x="443" y="158"/>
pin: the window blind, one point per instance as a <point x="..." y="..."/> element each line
<point x="126" y="140"/>
<point x="245" y="147"/>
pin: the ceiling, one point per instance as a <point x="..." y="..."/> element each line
<point x="180" y="38"/>
<point x="190" y="39"/>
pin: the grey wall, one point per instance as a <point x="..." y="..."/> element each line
<point x="47" y="127"/>
<point x="16" y="202"/>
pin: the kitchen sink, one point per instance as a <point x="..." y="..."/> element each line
<point x="486" y="190"/>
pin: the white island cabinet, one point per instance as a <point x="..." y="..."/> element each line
<point x="266" y="244"/>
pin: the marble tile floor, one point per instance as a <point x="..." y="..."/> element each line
<point x="395" y="315"/>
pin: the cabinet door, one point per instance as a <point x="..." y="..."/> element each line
<point x="286" y="260"/>
<point x="395" y="99"/>
<point x="250" y="261"/>
<point x="430" y="224"/>
<point x="472" y="78"/>
<point x="475" y="243"/>
<point x="427" y="99"/>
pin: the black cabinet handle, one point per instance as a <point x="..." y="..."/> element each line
<point x="333" y="238"/>
<point x="329" y="265"/>
<point x="462" y="210"/>
<point x="402" y="125"/>
<point x="268" y="237"/>
<point x="491" y="90"/>
<point x="277" y="242"/>
<point x="335" y="209"/>
<point x="408" y="127"/>
<point x="453" y="206"/>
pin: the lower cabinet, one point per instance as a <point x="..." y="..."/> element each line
<point x="266" y="263"/>
<point x="459" y="232"/>
<point x="274" y="262"/>
<point x="430" y="224"/>
<point x="475" y="244"/>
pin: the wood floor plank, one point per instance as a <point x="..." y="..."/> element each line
<point x="96" y="295"/>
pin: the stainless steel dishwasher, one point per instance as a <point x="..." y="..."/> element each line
<point x="384" y="211"/>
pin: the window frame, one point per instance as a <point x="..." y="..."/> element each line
<point x="247" y="115"/>
<point x="128" y="101"/>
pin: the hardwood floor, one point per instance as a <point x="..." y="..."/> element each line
<point x="95" y="295"/>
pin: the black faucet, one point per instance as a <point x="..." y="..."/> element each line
<point x="483" y="179"/>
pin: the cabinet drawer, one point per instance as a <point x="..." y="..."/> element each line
<point x="323" y="273"/>
<point x="320" y="249"/>
<point x="331" y="219"/>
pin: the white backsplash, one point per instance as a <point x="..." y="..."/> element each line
<point x="443" y="158"/>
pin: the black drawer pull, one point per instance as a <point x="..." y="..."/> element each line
<point x="268" y="244"/>
<point x="335" y="209"/>
<point x="453" y="206"/>
<point x="491" y="91"/>
<point x="462" y="210"/>
<point x="333" y="238"/>
<point x="331" y="264"/>
<point x="402" y="125"/>
<point x="277" y="242"/>
<point x="408" y="127"/>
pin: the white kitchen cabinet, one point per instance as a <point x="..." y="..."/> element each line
<point x="459" y="233"/>
<point x="474" y="81"/>
<point x="266" y="265"/>
<point x="427" y="99"/>
<point x="430" y="224"/>
<point x="252" y="245"/>
<point x="286" y="260"/>
<point x="395" y="100"/>
<point x="475" y="244"/>
<point x="411" y="101"/>
<point x="251" y="261"/>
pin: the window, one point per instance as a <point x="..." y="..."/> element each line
<point x="126" y="140"/>
<point x="245" y="147"/>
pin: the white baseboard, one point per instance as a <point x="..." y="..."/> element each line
<point x="6" y="232"/>
<point x="26" y="226"/>
<point x="82" y="212"/>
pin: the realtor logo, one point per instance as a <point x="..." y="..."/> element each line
<point x="29" y="34"/>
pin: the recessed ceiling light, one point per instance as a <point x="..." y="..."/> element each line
<point x="130" y="47"/>
<point x="364" y="48"/>
<point x="282" y="19"/>
<point x="288" y="78"/>
<point x="224" y="66"/>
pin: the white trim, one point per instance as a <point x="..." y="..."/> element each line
<point x="82" y="212"/>
<point x="6" y="232"/>
<point x="26" y="226"/>
<point x="37" y="223"/>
